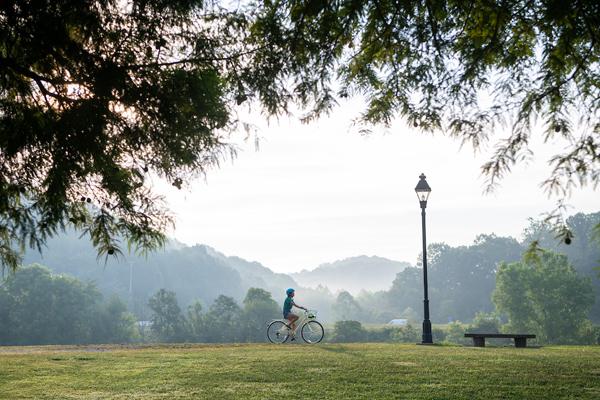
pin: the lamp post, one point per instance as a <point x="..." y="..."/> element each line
<point x="423" y="190"/>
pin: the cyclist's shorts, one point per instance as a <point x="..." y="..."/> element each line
<point x="287" y="314"/>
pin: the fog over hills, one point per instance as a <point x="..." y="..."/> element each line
<point x="202" y="273"/>
<point x="254" y="274"/>
<point x="352" y="274"/>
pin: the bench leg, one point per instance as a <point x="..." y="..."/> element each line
<point x="520" y="342"/>
<point x="479" y="342"/>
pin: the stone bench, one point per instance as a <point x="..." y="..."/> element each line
<point x="520" y="339"/>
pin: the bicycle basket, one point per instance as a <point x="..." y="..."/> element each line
<point x="312" y="314"/>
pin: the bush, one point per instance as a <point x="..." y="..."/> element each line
<point x="381" y="335"/>
<point x="439" y="335"/>
<point x="406" y="334"/>
<point x="588" y="334"/>
<point x="348" y="331"/>
<point x="485" y="323"/>
<point x="455" y="333"/>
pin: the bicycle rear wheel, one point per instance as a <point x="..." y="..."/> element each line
<point x="277" y="332"/>
<point x="312" y="332"/>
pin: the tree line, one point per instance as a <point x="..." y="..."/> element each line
<point x="38" y="307"/>
<point x="551" y="293"/>
<point x="193" y="272"/>
<point x="225" y="321"/>
<point x="542" y="295"/>
<point x="463" y="279"/>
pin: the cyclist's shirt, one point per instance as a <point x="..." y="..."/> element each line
<point x="287" y="306"/>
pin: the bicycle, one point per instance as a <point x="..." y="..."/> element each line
<point x="311" y="330"/>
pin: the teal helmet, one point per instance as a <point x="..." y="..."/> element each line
<point x="289" y="291"/>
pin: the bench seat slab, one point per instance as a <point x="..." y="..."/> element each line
<point x="479" y="338"/>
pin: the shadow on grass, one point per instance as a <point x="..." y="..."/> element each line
<point x="339" y="349"/>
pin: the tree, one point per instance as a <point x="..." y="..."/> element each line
<point x="168" y="322"/>
<point x="406" y="291"/>
<point x="346" y="308"/>
<point x="29" y="307"/>
<point x="194" y="273"/>
<point x="259" y="308"/>
<point x="466" y="68"/>
<point x="38" y="307"/>
<point x="97" y="96"/>
<point x="5" y="333"/>
<point x="462" y="278"/>
<point x="545" y="297"/>
<point x="196" y="323"/>
<point x="48" y="309"/>
<point x="113" y="323"/>
<point x="583" y="253"/>
<point x="376" y="307"/>
<point x="223" y="320"/>
<point x="410" y="315"/>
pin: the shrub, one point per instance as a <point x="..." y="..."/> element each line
<point x="588" y="334"/>
<point x="439" y="334"/>
<point x="485" y="323"/>
<point x="381" y="335"/>
<point x="348" y="331"/>
<point x="405" y="334"/>
<point x="455" y="333"/>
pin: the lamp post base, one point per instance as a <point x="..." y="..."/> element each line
<point x="427" y="336"/>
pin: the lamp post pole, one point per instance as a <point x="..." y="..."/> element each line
<point x="423" y="191"/>
<point x="427" y="337"/>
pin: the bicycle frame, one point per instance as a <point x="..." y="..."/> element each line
<point x="302" y="319"/>
<point x="307" y="319"/>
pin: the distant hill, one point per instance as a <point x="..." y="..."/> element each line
<point x="254" y="274"/>
<point x="192" y="272"/>
<point x="353" y="274"/>
<point x="202" y="273"/>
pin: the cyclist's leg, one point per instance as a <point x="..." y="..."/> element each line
<point x="292" y="318"/>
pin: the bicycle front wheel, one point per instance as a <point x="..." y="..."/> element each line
<point x="312" y="332"/>
<point x="277" y="332"/>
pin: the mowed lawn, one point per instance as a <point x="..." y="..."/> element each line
<point x="349" y="371"/>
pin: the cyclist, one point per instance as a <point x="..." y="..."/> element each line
<point x="287" y="310"/>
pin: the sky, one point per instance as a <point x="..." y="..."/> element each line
<point x="316" y="193"/>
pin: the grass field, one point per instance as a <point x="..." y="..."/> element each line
<point x="353" y="371"/>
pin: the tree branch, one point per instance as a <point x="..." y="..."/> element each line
<point x="192" y="60"/>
